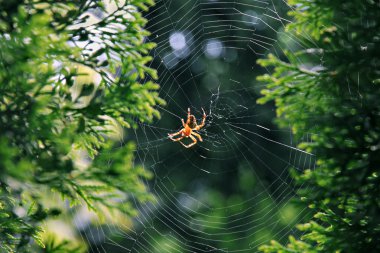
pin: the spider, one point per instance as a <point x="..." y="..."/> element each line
<point x="188" y="129"/>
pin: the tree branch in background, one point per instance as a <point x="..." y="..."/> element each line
<point x="72" y="75"/>
<point x="340" y="108"/>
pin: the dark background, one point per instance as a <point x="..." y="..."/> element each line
<point x="232" y="192"/>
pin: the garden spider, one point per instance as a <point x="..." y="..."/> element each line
<point x="188" y="129"/>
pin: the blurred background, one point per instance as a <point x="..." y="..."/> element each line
<point x="232" y="192"/>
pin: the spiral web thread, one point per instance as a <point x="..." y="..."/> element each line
<point x="201" y="48"/>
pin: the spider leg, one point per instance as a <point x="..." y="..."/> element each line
<point x="198" y="135"/>
<point x="178" y="139"/>
<point x="191" y="144"/>
<point x="203" y="121"/>
<point x="188" y="117"/>
<point x="183" y="123"/>
<point x="174" y="134"/>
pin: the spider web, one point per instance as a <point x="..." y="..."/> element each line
<point x="233" y="191"/>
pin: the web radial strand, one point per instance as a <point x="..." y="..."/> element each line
<point x="232" y="192"/>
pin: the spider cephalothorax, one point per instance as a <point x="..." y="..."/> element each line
<point x="188" y="129"/>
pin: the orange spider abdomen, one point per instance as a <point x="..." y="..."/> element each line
<point x="186" y="131"/>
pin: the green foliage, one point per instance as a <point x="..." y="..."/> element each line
<point x="61" y="102"/>
<point x="52" y="246"/>
<point x="331" y="90"/>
